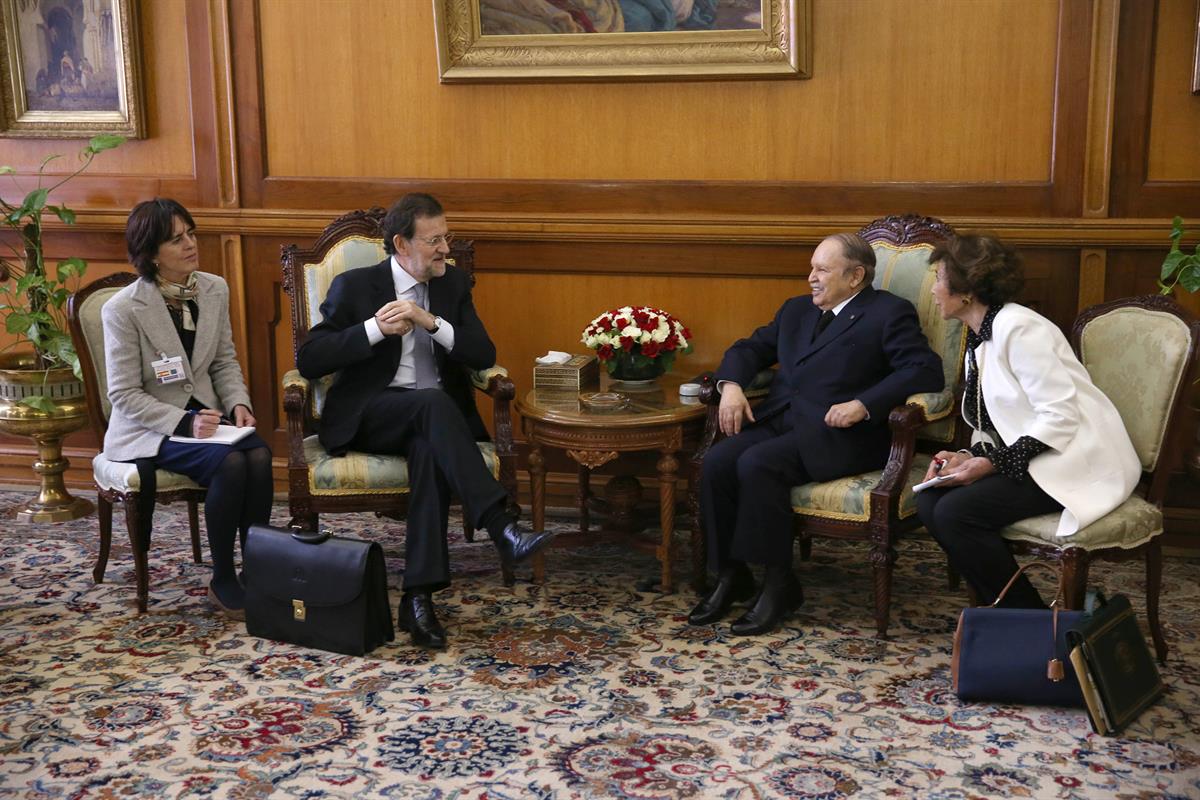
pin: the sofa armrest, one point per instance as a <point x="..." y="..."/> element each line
<point x="936" y="405"/>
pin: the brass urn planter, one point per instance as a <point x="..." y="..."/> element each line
<point x="20" y="378"/>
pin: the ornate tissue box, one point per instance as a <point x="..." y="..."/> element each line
<point x="576" y="374"/>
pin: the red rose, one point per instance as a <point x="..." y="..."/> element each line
<point x="641" y="318"/>
<point x="627" y="343"/>
<point x="650" y="349"/>
<point x="686" y="334"/>
<point x="670" y="343"/>
<point x="605" y="352"/>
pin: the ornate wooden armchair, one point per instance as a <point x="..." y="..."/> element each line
<point x="1141" y="352"/>
<point x="317" y="482"/>
<point x="878" y="507"/>
<point x="118" y="481"/>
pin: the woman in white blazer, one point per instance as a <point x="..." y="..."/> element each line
<point x="173" y="371"/>
<point x="1045" y="438"/>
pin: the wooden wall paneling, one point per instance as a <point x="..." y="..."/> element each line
<point x="173" y="161"/>
<point x="1011" y="189"/>
<point x="222" y="99"/>
<point x="1174" y="121"/>
<point x="246" y="72"/>
<point x="1138" y="71"/>
<point x="1091" y="276"/>
<point x="1102" y="91"/>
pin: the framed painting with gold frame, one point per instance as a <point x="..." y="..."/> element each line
<point x="474" y="47"/>
<point x="69" y="69"/>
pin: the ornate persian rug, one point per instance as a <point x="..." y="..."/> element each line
<point x="580" y="688"/>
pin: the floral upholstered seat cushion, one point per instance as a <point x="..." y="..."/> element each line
<point x="1133" y="523"/>
<point x="360" y="473"/>
<point x="849" y="499"/>
<point x="122" y="476"/>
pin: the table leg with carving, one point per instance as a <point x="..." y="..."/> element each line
<point x="582" y="494"/>
<point x="668" y="469"/>
<point x="537" y="483"/>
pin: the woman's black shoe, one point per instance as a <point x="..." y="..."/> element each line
<point x="229" y="598"/>
<point x="734" y="585"/>
<point x="417" y="617"/>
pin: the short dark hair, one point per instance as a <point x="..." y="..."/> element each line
<point x="858" y="250"/>
<point x="983" y="266"/>
<point x="401" y="219"/>
<point x="151" y="223"/>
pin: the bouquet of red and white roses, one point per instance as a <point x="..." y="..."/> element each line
<point x="637" y="340"/>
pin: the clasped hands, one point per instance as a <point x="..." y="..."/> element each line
<point x="962" y="468"/>
<point x="206" y="420"/>
<point x="735" y="408"/>
<point x="398" y="318"/>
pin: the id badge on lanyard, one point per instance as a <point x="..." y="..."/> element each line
<point x="168" y="370"/>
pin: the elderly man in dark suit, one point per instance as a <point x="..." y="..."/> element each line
<point x="403" y="336"/>
<point x="847" y="354"/>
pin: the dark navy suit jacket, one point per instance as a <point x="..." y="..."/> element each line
<point x="339" y="343"/>
<point x="873" y="351"/>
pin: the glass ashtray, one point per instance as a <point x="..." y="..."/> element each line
<point x="603" y="401"/>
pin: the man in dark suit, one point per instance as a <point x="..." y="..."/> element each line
<point x="847" y="355"/>
<point x="403" y="336"/>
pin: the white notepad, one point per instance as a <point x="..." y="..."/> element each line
<point x="225" y="434"/>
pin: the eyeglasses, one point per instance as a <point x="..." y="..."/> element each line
<point x="437" y="241"/>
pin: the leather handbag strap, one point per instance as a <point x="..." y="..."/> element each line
<point x="1058" y="597"/>
<point x="1054" y="667"/>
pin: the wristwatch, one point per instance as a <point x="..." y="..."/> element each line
<point x="437" y="325"/>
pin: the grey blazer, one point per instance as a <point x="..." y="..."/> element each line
<point x="137" y="332"/>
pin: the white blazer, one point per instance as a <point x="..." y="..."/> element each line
<point x="1033" y="385"/>
<point x="137" y="332"/>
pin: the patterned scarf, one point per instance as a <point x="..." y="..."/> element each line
<point x="181" y="292"/>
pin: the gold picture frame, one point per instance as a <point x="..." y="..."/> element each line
<point x="1196" y="54"/>
<point x="779" y="48"/>
<point x="70" y="69"/>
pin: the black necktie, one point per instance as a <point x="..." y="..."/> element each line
<point x="823" y="323"/>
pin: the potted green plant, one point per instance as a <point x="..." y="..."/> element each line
<point x="1179" y="268"/>
<point x="41" y="390"/>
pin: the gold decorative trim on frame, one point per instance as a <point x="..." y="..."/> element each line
<point x="781" y="48"/>
<point x="17" y="120"/>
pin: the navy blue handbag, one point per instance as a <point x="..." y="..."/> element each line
<point x="1016" y="655"/>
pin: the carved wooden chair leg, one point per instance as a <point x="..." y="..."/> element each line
<point x="104" y="512"/>
<point x="1074" y="564"/>
<point x="141" y="569"/>
<point x="883" y="559"/>
<point x="805" y="547"/>
<point x="506" y="574"/>
<point x="1153" y="585"/>
<point x="194" y="526"/>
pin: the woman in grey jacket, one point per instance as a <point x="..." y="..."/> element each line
<point x="173" y="371"/>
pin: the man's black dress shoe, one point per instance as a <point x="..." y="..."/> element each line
<point x="418" y="618"/>
<point x="516" y="545"/>
<point x="774" y="603"/>
<point x="734" y="585"/>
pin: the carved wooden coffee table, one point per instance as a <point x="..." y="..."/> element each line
<point x="648" y="418"/>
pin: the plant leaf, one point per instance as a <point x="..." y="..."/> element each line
<point x="41" y="403"/>
<point x="7" y="170"/>
<point x="17" y="322"/>
<point x="1189" y="277"/>
<point x="73" y="267"/>
<point x="1171" y="263"/>
<point x="63" y="213"/>
<point x="105" y="141"/>
<point x="34" y="202"/>
<point x="47" y="160"/>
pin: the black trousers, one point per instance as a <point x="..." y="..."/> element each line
<point x="426" y="427"/>
<point x="966" y="521"/>
<point x="745" y="495"/>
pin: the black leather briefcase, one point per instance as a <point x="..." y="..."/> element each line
<point x="316" y="590"/>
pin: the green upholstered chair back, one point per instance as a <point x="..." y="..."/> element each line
<point x="87" y="332"/>
<point x="902" y="246"/>
<point x="1139" y="354"/>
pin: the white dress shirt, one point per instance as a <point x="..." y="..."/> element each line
<point x="405" y="290"/>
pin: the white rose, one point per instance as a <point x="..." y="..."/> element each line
<point x="632" y="331"/>
<point x="661" y="332"/>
